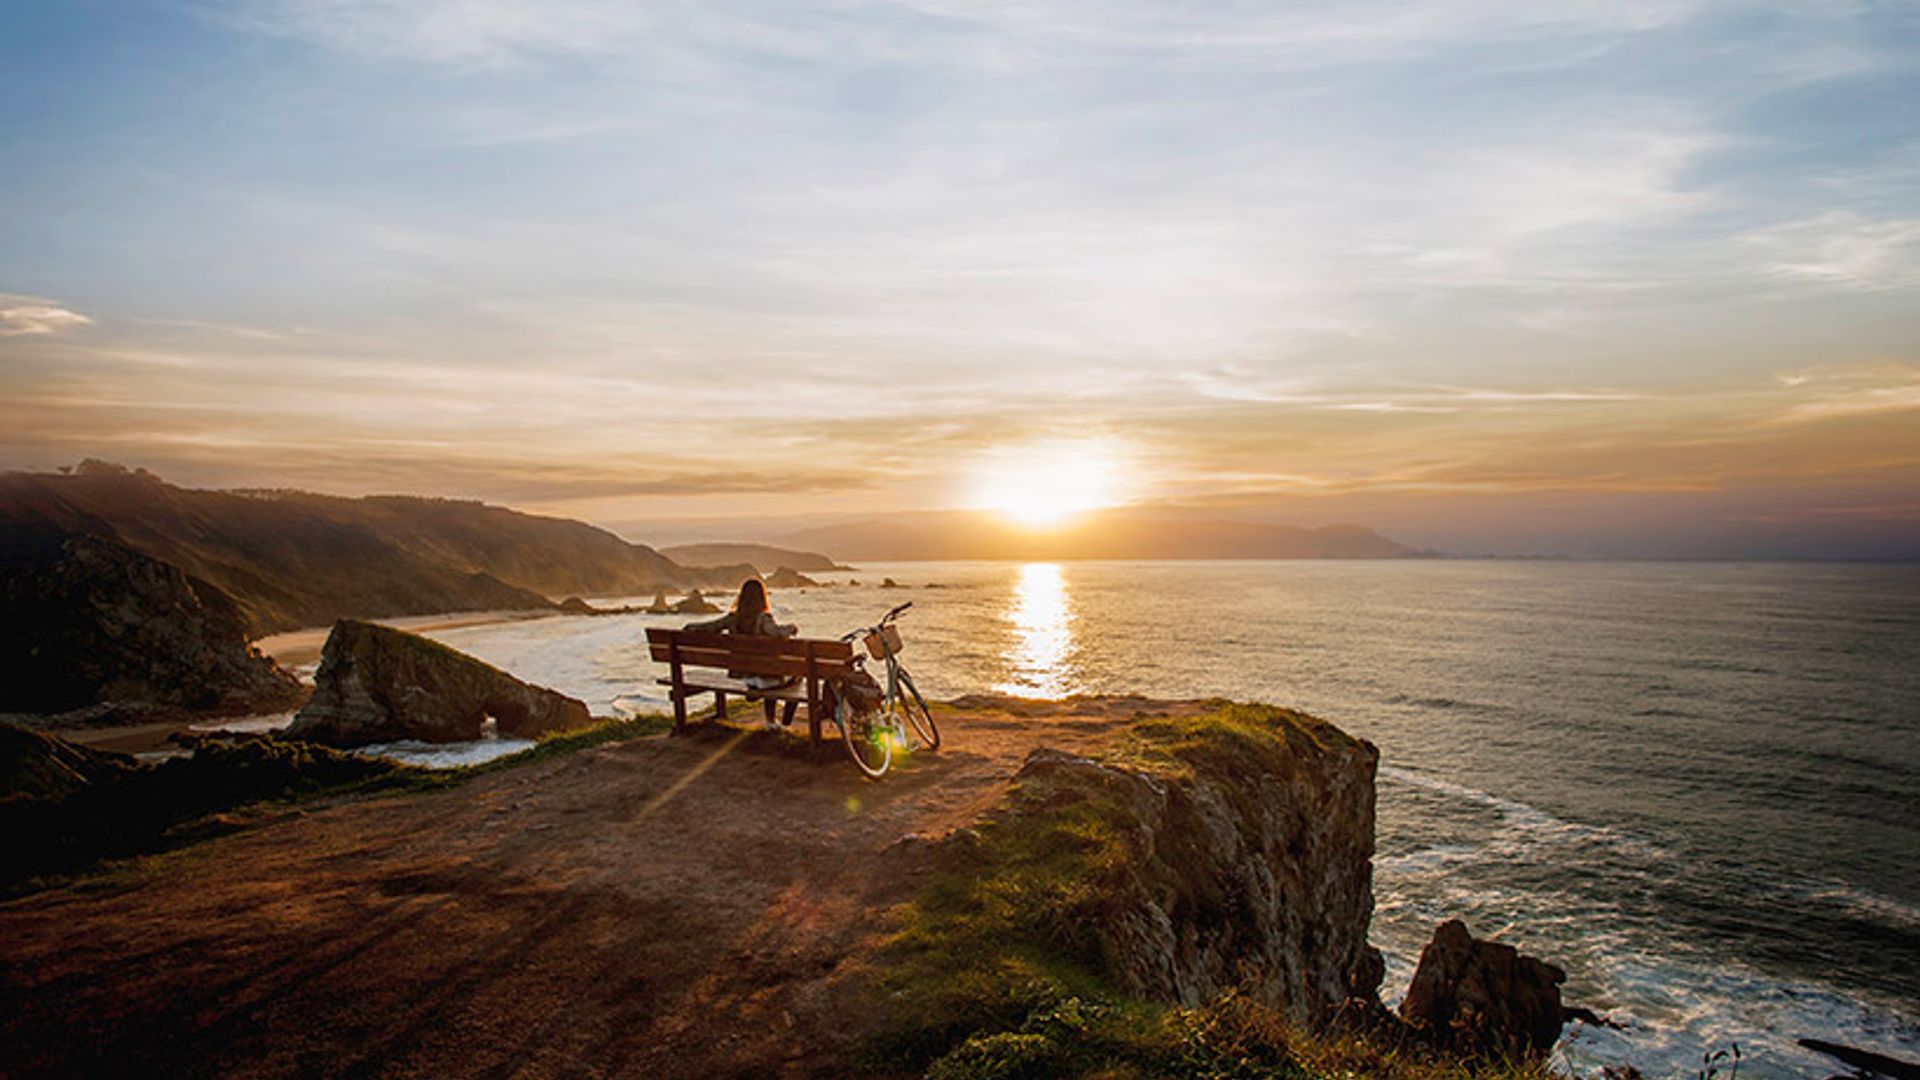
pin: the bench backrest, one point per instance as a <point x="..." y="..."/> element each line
<point x="749" y="654"/>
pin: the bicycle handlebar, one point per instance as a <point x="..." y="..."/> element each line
<point x="884" y="620"/>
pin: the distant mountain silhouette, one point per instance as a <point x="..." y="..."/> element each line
<point x="1109" y="534"/>
<point x="762" y="557"/>
<point x="291" y="559"/>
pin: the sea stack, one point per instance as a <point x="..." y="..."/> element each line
<point x="377" y="684"/>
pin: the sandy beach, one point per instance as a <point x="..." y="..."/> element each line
<point x="300" y="647"/>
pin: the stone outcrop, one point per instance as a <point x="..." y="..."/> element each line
<point x="89" y="620"/>
<point x="63" y="806"/>
<point x="39" y="766"/>
<point x="695" y="604"/>
<point x="1483" y="998"/>
<point x="1248" y="863"/>
<point x="377" y="684"/>
<point x="786" y="577"/>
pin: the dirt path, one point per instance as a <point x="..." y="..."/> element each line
<point x="662" y="907"/>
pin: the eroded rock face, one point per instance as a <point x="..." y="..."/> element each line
<point x="1482" y="997"/>
<point x="1251" y="868"/>
<point x="40" y="766"/>
<point x="377" y="684"/>
<point x="90" y="621"/>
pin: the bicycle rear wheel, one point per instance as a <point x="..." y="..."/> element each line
<point x="918" y="715"/>
<point x="866" y="739"/>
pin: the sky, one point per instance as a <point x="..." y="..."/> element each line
<point x="1637" y="277"/>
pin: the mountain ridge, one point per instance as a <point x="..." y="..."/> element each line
<point x="1121" y="533"/>
<point x="291" y="559"/>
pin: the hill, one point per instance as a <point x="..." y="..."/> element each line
<point x="291" y="559"/>
<point x="762" y="557"/>
<point x="1110" y="534"/>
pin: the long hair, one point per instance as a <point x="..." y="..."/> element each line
<point x="749" y="606"/>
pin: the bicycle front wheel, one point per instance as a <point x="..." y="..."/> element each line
<point x="866" y="739"/>
<point x="918" y="715"/>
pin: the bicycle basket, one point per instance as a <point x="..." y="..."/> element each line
<point x="884" y="643"/>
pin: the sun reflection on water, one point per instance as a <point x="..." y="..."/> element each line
<point x="1042" y="625"/>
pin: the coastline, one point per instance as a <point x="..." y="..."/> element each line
<point x="295" y="648"/>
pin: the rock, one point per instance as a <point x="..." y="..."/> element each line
<point x="1248" y="866"/>
<point x="573" y="605"/>
<point x="659" y="605"/>
<point x="1866" y="1059"/>
<point x="89" y="620"/>
<point x="694" y="604"/>
<point x="66" y="806"/>
<point x="38" y="766"/>
<point x="1482" y="997"/>
<point x="889" y="583"/>
<point x="786" y="577"/>
<point x="377" y="684"/>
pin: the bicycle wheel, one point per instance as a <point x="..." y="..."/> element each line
<point x="867" y="743"/>
<point x="918" y="715"/>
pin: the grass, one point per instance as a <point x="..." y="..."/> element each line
<point x="995" y="970"/>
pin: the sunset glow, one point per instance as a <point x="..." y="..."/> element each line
<point x="1046" y="484"/>
<point x="1596" y="279"/>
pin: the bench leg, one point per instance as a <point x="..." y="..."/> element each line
<point x="679" y="710"/>
<point x="719" y="705"/>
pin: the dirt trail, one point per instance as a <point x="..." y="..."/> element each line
<point x="662" y="907"/>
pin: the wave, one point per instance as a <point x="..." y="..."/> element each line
<point x="1675" y="1000"/>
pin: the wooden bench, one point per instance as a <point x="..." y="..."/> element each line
<point x="724" y="660"/>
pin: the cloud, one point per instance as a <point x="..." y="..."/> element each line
<point x="500" y="32"/>
<point x="21" y="315"/>
<point x="1851" y="391"/>
<point x="1235" y="383"/>
<point x="1843" y="249"/>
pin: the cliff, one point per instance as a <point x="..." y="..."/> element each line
<point x="1228" y="854"/>
<point x="762" y="557"/>
<point x="291" y="559"/>
<point x="376" y="684"/>
<point x="89" y="621"/>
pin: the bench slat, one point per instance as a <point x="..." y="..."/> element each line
<point x="751" y="643"/>
<point x="790" y="692"/>
<point x="748" y="664"/>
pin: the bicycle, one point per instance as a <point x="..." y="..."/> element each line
<point x="871" y="734"/>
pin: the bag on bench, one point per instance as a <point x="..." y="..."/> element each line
<point x="861" y="690"/>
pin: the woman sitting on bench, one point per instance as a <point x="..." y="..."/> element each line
<point x="752" y="615"/>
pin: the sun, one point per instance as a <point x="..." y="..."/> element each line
<point x="1043" y="484"/>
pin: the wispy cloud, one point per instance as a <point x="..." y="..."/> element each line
<point x="1832" y="393"/>
<point x="1844" y="249"/>
<point x="21" y="315"/>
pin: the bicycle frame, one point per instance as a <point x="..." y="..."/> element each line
<point x="890" y="704"/>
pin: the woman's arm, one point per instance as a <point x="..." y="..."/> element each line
<point x="718" y="625"/>
<point x="774" y="628"/>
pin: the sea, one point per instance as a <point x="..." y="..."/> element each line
<point x="1693" y="786"/>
